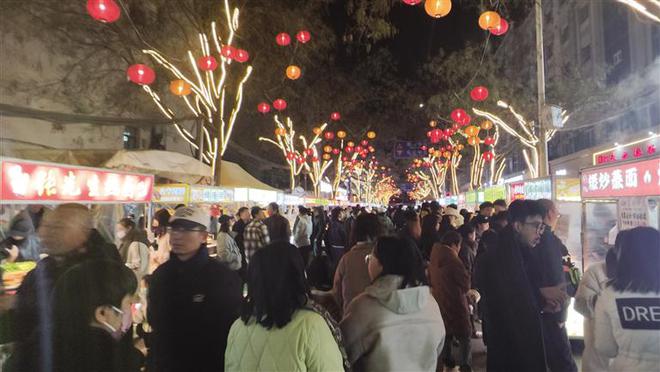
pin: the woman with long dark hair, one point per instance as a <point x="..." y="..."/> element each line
<point x="627" y="316"/>
<point x="430" y="235"/>
<point x="395" y="324"/>
<point x="91" y="313"/>
<point x="228" y="251"/>
<point x="133" y="247"/>
<point x="159" y="250"/>
<point x="279" y="328"/>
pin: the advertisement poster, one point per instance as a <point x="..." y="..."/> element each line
<point x="600" y="231"/>
<point x="637" y="211"/>
<point x="569" y="229"/>
<point x="567" y="189"/>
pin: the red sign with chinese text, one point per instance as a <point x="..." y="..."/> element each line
<point x="631" y="179"/>
<point x="644" y="149"/>
<point x="25" y="181"/>
<point x="516" y="190"/>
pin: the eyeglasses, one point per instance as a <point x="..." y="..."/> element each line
<point x="183" y="230"/>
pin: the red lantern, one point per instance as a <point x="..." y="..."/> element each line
<point x="458" y="115"/>
<point x="336" y="151"/>
<point x="501" y="29"/>
<point x="207" y="63"/>
<point x="141" y="74"/>
<point x="466" y="120"/>
<point x="335" y="116"/>
<point x="436" y="135"/>
<point x="424" y="148"/>
<point x="263" y="107"/>
<point x="106" y="11"/>
<point x="303" y="36"/>
<point x="228" y="51"/>
<point x="348" y="149"/>
<point x="279" y="104"/>
<point x="487" y="156"/>
<point x="359" y="148"/>
<point x="364" y="142"/>
<point x="329" y="136"/>
<point x="290" y="156"/>
<point x="283" y="39"/>
<point x="412" y="2"/>
<point x="455" y="126"/>
<point x="309" y="152"/>
<point x="489" y="141"/>
<point x="479" y="93"/>
<point x="300" y="160"/>
<point x="363" y="155"/>
<point x="241" y="56"/>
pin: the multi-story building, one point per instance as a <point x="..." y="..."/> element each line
<point x="603" y="42"/>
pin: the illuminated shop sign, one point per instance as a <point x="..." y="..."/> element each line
<point x="635" y="150"/>
<point x="631" y="179"/>
<point x="27" y="181"/>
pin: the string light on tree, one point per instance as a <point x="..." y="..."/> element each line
<point x="141" y="74"/>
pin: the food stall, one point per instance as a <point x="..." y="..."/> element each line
<point x="107" y="193"/>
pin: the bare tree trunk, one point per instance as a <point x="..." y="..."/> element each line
<point x="217" y="170"/>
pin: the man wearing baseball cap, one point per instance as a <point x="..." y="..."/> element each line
<point x="193" y="300"/>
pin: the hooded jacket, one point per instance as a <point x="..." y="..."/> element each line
<point x="302" y="230"/>
<point x="628" y="329"/>
<point x="449" y="285"/>
<point x="387" y="328"/>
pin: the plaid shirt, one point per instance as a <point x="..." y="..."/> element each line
<point x="255" y="236"/>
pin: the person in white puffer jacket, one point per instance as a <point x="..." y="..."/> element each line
<point x="302" y="230"/>
<point x="627" y="316"/>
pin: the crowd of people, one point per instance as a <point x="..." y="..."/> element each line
<point x="402" y="289"/>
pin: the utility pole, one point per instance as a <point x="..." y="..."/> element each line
<point x="544" y="170"/>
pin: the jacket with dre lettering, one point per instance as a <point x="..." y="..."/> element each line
<point x="627" y="328"/>
<point x="192" y="305"/>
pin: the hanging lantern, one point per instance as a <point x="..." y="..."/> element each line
<point x="433" y="123"/>
<point x="283" y="39"/>
<point x="487" y="156"/>
<point x="371" y="134"/>
<point x="359" y="148"/>
<point x="412" y="2"/>
<point x="364" y="142"/>
<point x="336" y="151"/>
<point x="290" y="155"/>
<point x="372" y="149"/>
<point x="486" y="125"/>
<point x="317" y="130"/>
<point x="329" y="136"/>
<point x="473" y="141"/>
<point x="335" y="116"/>
<point x="280" y="131"/>
<point x="447" y="132"/>
<point x="350" y="144"/>
<point x="489" y="141"/>
<point x="303" y="36"/>
<point x="471" y="131"/>
<point x="279" y="104"/>
<point x="263" y="107"/>
<point x="479" y="93"/>
<point x="179" y="88"/>
<point x="106" y="11"/>
<point x="460" y="147"/>
<point x="207" y="63"/>
<point x="363" y="155"/>
<point x="293" y="72"/>
<point x="241" y="56"/>
<point x="436" y="135"/>
<point x="327" y="148"/>
<point x="488" y="20"/>
<point x="228" y="51"/>
<point x="501" y="29"/>
<point x="300" y="160"/>
<point x="348" y="149"/>
<point x="466" y="120"/>
<point x="458" y="115"/>
<point x="327" y="156"/>
<point x="141" y="74"/>
<point x="309" y="152"/>
<point x="341" y="134"/>
<point x="437" y="8"/>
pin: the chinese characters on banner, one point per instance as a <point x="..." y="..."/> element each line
<point x="640" y="149"/>
<point x="516" y="190"/>
<point x="632" y="179"/>
<point x="633" y="212"/>
<point x="33" y="181"/>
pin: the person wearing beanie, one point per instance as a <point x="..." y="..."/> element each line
<point x="193" y="300"/>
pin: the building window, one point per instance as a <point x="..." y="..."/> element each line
<point x="131" y="138"/>
<point x="585" y="54"/>
<point x="583" y="14"/>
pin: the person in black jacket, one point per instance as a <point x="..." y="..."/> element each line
<point x="512" y="328"/>
<point x="279" y="228"/>
<point x="68" y="237"/>
<point x="193" y="300"/>
<point x="548" y="278"/>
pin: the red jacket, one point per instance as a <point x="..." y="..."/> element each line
<point x="450" y="282"/>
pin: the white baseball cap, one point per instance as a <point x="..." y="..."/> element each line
<point x="192" y="214"/>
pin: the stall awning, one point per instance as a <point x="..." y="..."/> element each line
<point x="167" y="164"/>
<point x="232" y="175"/>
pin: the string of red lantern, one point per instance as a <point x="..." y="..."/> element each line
<point x="141" y="74"/>
<point x="106" y="11"/>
